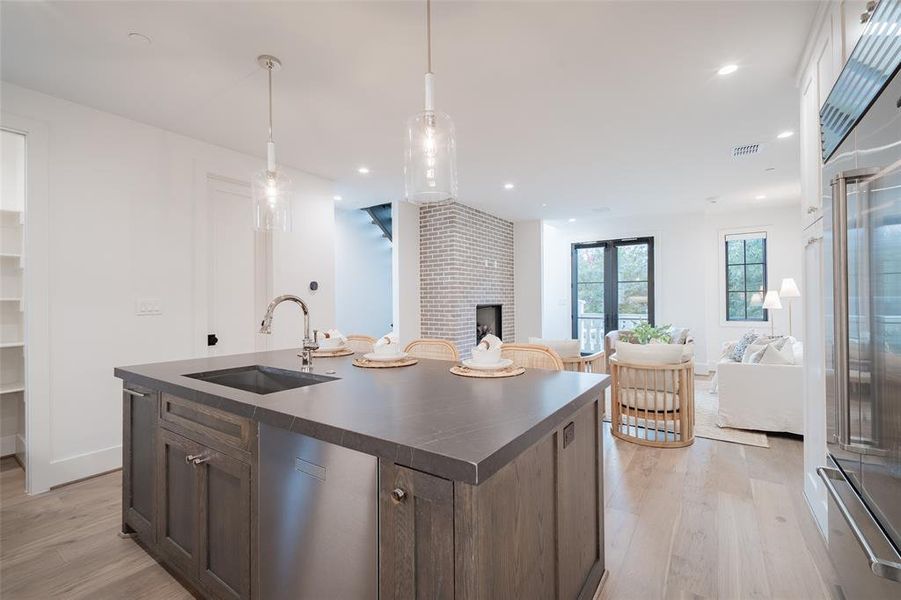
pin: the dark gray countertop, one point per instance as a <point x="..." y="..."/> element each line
<point x="421" y="416"/>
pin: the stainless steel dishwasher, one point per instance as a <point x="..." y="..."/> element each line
<point x="318" y="519"/>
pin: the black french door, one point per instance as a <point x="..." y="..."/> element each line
<point x="612" y="288"/>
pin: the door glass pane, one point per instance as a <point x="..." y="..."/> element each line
<point x="632" y="262"/>
<point x="754" y="251"/>
<point x="754" y="277"/>
<point x="633" y="304"/>
<point x="590" y="299"/>
<point x="632" y="285"/>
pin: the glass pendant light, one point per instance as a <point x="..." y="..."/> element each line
<point x="430" y="161"/>
<point x="271" y="188"/>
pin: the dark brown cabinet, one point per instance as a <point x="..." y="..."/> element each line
<point x="139" y="412"/>
<point x="416" y="538"/>
<point x="187" y="489"/>
<point x="204" y="519"/>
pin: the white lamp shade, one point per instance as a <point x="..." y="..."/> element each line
<point x="771" y="300"/>
<point x="789" y="289"/>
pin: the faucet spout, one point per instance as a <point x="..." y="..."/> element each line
<point x="309" y="344"/>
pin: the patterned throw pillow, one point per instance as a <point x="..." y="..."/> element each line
<point x="739" y="351"/>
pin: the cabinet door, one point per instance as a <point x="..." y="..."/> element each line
<point x="580" y="533"/>
<point x="224" y="524"/>
<point x="811" y="201"/>
<point x="139" y="417"/>
<point x="177" y="532"/>
<point x="416" y="534"/>
<point x="814" y="371"/>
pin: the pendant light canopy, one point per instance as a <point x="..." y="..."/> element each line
<point x="271" y="188"/>
<point x="430" y="161"/>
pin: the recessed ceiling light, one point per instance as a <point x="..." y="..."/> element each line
<point x="760" y="197"/>
<point x="770" y="169"/>
<point x="139" y="38"/>
<point x="785" y="134"/>
<point x="572" y="220"/>
<point x="337" y="198"/>
<point x="363" y="170"/>
<point x="508" y="186"/>
<point x="727" y="69"/>
<point x="543" y="204"/>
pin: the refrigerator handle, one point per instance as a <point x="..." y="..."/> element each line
<point x="840" y="303"/>
<point x="881" y="567"/>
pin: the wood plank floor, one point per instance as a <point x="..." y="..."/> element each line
<point x="714" y="520"/>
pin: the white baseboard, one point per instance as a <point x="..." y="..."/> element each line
<point x="8" y="445"/>
<point x="815" y="496"/>
<point x="81" y="466"/>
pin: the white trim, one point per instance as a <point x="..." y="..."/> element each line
<point x="813" y="35"/>
<point x="80" y="466"/>
<point x="36" y="294"/>
<point x="815" y="496"/>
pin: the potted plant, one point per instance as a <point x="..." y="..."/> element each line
<point x="646" y="344"/>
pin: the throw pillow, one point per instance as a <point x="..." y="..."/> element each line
<point x="739" y="351"/>
<point x="778" y="356"/>
<point x="755" y="356"/>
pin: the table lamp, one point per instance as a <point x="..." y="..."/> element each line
<point x="770" y="302"/>
<point x="788" y="291"/>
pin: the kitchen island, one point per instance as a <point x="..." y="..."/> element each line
<point x="249" y="479"/>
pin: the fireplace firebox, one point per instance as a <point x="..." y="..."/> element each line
<point x="488" y="320"/>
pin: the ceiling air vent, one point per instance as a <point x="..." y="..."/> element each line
<point x="748" y="150"/>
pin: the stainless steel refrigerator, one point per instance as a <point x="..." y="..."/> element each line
<point x="861" y="132"/>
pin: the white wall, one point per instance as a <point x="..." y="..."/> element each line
<point x="123" y="200"/>
<point x="688" y="263"/>
<point x="405" y="271"/>
<point x="363" y="257"/>
<point x="527" y="277"/>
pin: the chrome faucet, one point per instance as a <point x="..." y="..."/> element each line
<point x="310" y="345"/>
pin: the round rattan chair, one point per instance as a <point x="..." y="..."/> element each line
<point x="361" y="344"/>
<point x="653" y="404"/>
<point x="532" y="356"/>
<point x="433" y="348"/>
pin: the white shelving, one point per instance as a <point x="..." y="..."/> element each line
<point x="12" y="308"/>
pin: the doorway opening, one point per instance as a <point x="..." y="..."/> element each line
<point x="612" y="288"/>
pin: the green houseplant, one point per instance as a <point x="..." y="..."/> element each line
<point x="645" y="333"/>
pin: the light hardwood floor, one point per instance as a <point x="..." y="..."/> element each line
<point x="714" y="520"/>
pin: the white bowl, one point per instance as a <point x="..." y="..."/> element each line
<point x="329" y="344"/>
<point x="486" y="357"/>
<point x="480" y="366"/>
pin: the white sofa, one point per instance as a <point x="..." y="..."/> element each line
<point x="761" y="397"/>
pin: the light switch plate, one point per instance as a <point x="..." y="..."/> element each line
<point x="146" y="307"/>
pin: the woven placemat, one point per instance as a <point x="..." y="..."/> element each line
<point x="384" y="364"/>
<point x="332" y="353"/>
<point x="467" y="372"/>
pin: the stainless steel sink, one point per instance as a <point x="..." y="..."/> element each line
<point x="260" y="379"/>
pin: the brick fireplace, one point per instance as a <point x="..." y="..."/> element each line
<point x="466" y="262"/>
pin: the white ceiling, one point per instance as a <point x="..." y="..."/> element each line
<point x="582" y="105"/>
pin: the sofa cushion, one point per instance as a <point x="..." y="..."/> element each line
<point x="565" y="348"/>
<point x="649" y="399"/>
<point x="651" y="354"/>
<point x="778" y="355"/>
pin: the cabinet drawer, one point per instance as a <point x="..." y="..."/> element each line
<point x="182" y="415"/>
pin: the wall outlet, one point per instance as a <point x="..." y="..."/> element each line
<point x="145" y="307"/>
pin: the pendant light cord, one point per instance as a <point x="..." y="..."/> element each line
<point x="269" y="69"/>
<point x="428" y="28"/>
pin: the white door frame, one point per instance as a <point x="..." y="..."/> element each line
<point x="36" y="292"/>
<point x="206" y="179"/>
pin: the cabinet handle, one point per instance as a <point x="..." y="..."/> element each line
<point x="813" y="239"/>
<point x="398" y="495"/>
<point x="200" y="460"/>
<point x="191" y="457"/>
<point x="812" y="209"/>
<point x="134" y="393"/>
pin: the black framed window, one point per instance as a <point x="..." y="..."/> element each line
<point x="612" y="288"/>
<point x="746" y="276"/>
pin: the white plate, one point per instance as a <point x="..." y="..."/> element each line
<point x="333" y="348"/>
<point x="385" y="357"/>
<point x="503" y="364"/>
